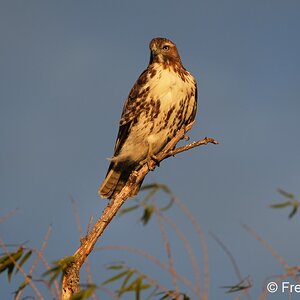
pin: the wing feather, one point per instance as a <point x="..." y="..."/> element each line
<point x="133" y="107"/>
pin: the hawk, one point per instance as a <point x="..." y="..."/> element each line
<point x="162" y="101"/>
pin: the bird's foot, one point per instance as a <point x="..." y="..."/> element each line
<point x="154" y="157"/>
<point x="185" y="137"/>
<point x="148" y="160"/>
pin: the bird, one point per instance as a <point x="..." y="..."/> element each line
<point x="162" y="101"/>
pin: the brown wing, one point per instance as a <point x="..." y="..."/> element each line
<point x="193" y="115"/>
<point x="134" y="105"/>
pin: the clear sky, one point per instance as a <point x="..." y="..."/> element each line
<point x="66" y="68"/>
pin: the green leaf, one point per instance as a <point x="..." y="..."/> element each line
<point x="85" y="293"/>
<point x="54" y="273"/>
<point x="286" y="194"/>
<point x="126" y="279"/>
<point x="59" y="268"/>
<point x="155" y="187"/>
<point x="167" y="295"/>
<point x="24" y="259"/>
<point x="129" y="209"/>
<point x="131" y="287"/>
<point x="242" y="285"/>
<point x="150" y="186"/>
<point x="148" y="211"/>
<point x="138" y="288"/>
<point x="135" y="286"/>
<point x="8" y="261"/>
<point x="10" y="270"/>
<point x="116" y="277"/>
<point x="295" y="209"/>
<point x="22" y="285"/>
<point x="115" y="267"/>
<point x="281" y="205"/>
<point x="51" y="271"/>
<point x="5" y="261"/>
<point x="65" y="262"/>
<point x="2" y="260"/>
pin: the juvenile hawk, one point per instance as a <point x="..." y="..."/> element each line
<point x="162" y="101"/>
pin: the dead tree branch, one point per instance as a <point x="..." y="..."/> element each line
<point x="71" y="277"/>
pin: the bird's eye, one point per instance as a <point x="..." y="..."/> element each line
<point x="166" y="47"/>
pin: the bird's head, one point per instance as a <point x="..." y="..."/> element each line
<point x="163" y="50"/>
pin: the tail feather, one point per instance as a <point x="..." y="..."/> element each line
<point x="116" y="178"/>
<point x="110" y="183"/>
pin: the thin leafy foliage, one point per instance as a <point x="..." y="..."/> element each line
<point x="7" y="261"/>
<point x="13" y="263"/>
<point x="129" y="280"/>
<point x="244" y="284"/>
<point x="87" y="291"/>
<point x="134" y="282"/>
<point x="58" y="269"/>
<point x="149" y="208"/>
<point x="290" y="202"/>
<point x="146" y="204"/>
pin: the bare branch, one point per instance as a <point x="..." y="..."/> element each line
<point x="71" y="277"/>
<point x="8" y="215"/>
<point x="166" y="241"/>
<point x="203" y="244"/>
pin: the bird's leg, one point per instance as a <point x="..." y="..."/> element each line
<point x="147" y="160"/>
<point x="154" y="157"/>
<point x="185" y="137"/>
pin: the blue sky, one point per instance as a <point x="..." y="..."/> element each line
<point x="66" y="68"/>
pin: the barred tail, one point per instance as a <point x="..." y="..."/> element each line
<point x="116" y="178"/>
<point x="110" y="183"/>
